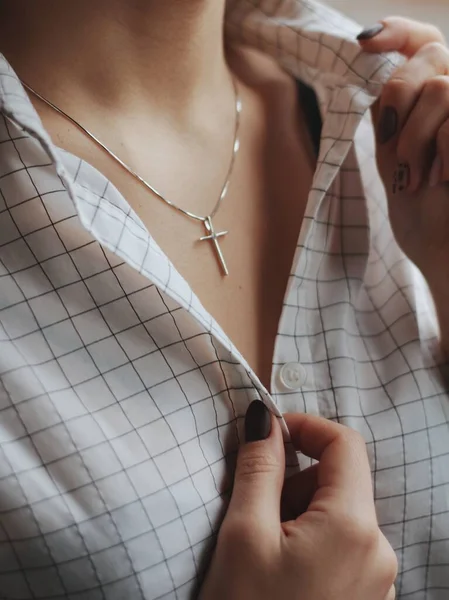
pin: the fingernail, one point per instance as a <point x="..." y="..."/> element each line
<point x="436" y="172"/>
<point x="401" y="178"/>
<point x="257" y="422"/>
<point x="388" y="124"/>
<point x="370" y="32"/>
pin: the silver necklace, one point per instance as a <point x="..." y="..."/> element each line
<point x="211" y="234"/>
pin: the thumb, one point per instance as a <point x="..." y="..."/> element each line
<point x="259" y="476"/>
<point x="398" y="34"/>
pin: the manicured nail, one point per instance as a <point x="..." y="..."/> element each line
<point x="401" y="178"/>
<point x="257" y="422"/>
<point x="436" y="172"/>
<point x="370" y="32"/>
<point x="388" y="124"/>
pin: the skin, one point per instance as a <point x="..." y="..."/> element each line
<point x="419" y="215"/>
<point x="260" y="557"/>
<point x="165" y="116"/>
<point x="125" y="106"/>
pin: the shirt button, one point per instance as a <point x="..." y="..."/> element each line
<point x="293" y="375"/>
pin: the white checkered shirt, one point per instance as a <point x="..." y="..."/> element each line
<point x="120" y="396"/>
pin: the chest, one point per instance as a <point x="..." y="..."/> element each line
<point x="262" y="213"/>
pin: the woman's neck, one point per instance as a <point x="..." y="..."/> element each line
<point x="118" y="54"/>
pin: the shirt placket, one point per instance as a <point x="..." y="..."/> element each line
<point x="301" y="377"/>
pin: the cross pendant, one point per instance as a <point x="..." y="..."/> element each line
<point x="213" y="237"/>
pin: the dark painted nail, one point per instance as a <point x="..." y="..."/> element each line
<point x="257" y="422"/>
<point x="401" y="178"/>
<point x="370" y="32"/>
<point x="388" y="125"/>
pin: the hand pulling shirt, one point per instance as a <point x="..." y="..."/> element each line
<point x="120" y="396"/>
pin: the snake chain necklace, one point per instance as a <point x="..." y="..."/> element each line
<point x="211" y="234"/>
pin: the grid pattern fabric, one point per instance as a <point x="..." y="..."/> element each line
<point x="121" y="399"/>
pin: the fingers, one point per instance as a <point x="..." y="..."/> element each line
<point x="403" y="90"/>
<point x="413" y="106"/>
<point x="388" y="566"/>
<point x="440" y="168"/>
<point x="298" y="492"/>
<point x="259" y="473"/>
<point x="417" y="140"/>
<point x="343" y="474"/>
<point x="412" y="113"/>
<point x="398" y="34"/>
<point x="391" y="594"/>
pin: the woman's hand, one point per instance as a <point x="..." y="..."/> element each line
<point x="412" y="124"/>
<point x="332" y="550"/>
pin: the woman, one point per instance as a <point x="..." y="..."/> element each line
<point x="122" y="396"/>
